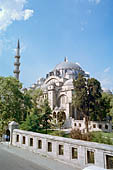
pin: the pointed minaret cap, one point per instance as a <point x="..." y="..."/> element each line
<point x="18" y="48"/>
<point x="18" y="44"/>
<point x="66" y="59"/>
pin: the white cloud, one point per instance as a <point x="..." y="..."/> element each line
<point x="11" y="10"/>
<point x="95" y="1"/>
<point x="105" y="78"/>
<point x="107" y="69"/>
<point x="28" y="13"/>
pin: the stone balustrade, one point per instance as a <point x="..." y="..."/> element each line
<point x="76" y="152"/>
<point x="92" y="125"/>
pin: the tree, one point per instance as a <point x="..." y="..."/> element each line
<point x="94" y="98"/>
<point x="46" y="116"/>
<point x="32" y="123"/>
<point x="37" y="100"/>
<point x="38" y="118"/>
<point x="80" y="98"/>
<point x="105" y="106"/>
<point x="14" y="104"/>
<point x="87" y="98"/>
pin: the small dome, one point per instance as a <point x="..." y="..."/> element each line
<point x="106" y="90"/>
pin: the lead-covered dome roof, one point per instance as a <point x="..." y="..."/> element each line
<point x="67" y="65"/>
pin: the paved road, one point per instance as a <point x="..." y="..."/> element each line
<point x="13" y="158"/>
<point x="9" y="161"/>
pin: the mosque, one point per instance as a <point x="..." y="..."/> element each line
<point x="58" y="88"/>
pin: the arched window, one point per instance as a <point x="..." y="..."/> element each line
<point x="54" y="114"/>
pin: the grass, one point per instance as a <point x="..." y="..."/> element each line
<point x="99" y="137"/>
<point x="102" y="137"/>
<point x="54" y="133"/>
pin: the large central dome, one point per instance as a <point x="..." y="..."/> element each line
<point x="67" y="65"/>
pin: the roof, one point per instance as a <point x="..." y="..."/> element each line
<point x="67" y="65"/>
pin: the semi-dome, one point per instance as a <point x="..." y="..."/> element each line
<point x="69" y="82"/>
<point x="67" y="65"/>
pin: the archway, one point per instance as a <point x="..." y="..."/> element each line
<point x="7" y="135"/>
<point x="61" y="117"/>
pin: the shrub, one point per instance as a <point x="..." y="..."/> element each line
<point x="76" y="134"/>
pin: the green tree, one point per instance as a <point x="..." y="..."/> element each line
<point x="94" y="98"/>
<point x="87" y="98"/>
<point x="46" y="116"/>
<point x="14" y="104"/>
<point x="39" y="118"/>
<point x="32" y="123"/>
<point x="106" y="106"/>
<point x="80" y="98"/>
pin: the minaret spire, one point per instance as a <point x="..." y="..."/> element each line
<point x="17" y="63"/>
<point x="66" y="59"/>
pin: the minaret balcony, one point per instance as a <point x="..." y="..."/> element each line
<point x="16" y="71"/>
<point x="17" y="56"/>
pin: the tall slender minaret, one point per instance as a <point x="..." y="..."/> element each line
<point x="17" y="63"/>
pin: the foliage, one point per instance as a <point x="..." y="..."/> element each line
<point x="37" y="96"/>
<point x="76" y="134"/>
<point x="32" y="123"/>
<point x="80" y="95"/>
<point x="102" y="137"/>
<point x="111" y="108"/>
<point x="94" y="99"/>
<point x="14" y="104"/>
<point x="87" y="99"/>
<point x="46" y="116"/>
<point x="61" y="117"/>
<point x="38" y="119"/>
<point x="99" y="137"/>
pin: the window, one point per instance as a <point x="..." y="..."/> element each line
<point x="90" y="157"/>
<point x="31" y="141"/>
<point x="79" y="124"/>
<point x="39" y="144"/>
<point x="74" y="153"/>
<point x="100" y="126"/>
<point x="49" y="147"/>
<point x="94" y="125"/>
<point x="24" y="140"/>
<point x="54" y="115"/>
<point x="61" y="149"/>
<point x="109" y="162"/>
<point x="17" y="138"/>
<point x="75" y="124"/>
<point x="106" y="126"/>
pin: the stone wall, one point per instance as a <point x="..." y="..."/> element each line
<point x="93" y="125"/>
<point x="77" y="152"/>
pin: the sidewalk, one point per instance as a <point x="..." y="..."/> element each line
<point x="41" y="160"/>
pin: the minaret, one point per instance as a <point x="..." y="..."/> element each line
<point x="17" y="63"/>
<point x="65" y="59"/>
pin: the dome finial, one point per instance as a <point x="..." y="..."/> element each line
<point x="66" y="59"/>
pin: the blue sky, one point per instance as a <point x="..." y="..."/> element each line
<point x="49" y="30"/>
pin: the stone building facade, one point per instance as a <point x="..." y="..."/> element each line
<point x="58" y="88"/>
